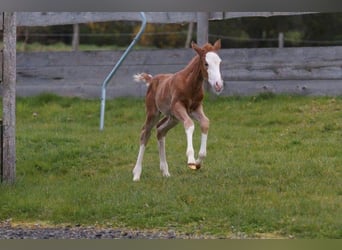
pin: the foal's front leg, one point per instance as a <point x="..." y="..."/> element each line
<point x="182" y="115"/>
<point x="199" y="115"/>
<point x="190" y="153"/>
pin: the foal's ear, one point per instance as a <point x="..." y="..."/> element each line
<point x="196" y="48"/>
<point x="217" y="44"/>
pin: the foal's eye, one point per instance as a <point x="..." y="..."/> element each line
<point x="206" y="65"/>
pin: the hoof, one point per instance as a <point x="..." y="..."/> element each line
<point x="136" y="179"/>
<point x="166" y="175"/>
<point x="194" y="166"/>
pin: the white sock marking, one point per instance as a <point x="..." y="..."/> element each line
<point x="138" y="166"/>
<point x="162" y="155"/>
<point x="190" y="149"/>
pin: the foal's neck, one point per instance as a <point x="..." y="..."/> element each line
<point x="193" y="71"/>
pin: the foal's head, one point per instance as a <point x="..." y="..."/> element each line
<point x="210" y="64"/>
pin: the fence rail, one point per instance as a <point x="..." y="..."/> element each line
<point x="308" y="71"/>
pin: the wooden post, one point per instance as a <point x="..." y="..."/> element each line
<point x="189" y="35"/>
<point x="281" y="40"/>
<point x="8" y="98"/>
<point x="202" y="27"/>
<point x="75" y="37"/>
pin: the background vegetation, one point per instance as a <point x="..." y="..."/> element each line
<point x="273" y="168"/>
<point x="320" y="29"/>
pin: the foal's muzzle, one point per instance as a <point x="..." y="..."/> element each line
<point x="218" y="87"/>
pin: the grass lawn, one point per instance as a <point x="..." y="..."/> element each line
<point x="273" y="168"/>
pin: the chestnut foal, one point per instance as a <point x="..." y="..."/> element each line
<point x="178" y="97"/>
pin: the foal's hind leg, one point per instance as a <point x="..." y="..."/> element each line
<point x="151" y="120"/>
<point x="163" y="127"/>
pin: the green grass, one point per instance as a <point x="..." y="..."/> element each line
<point x="273" y="168"/>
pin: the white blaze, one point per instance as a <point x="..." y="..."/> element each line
<point x="214" y="73"/>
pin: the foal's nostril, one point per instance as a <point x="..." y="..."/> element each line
<point x="218" y="86"/>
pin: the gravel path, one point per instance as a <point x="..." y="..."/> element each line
<point x="37" y="231"/>
<point x="8" y="231"/>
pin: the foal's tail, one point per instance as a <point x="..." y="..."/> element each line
<point x="143" y="77"/>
